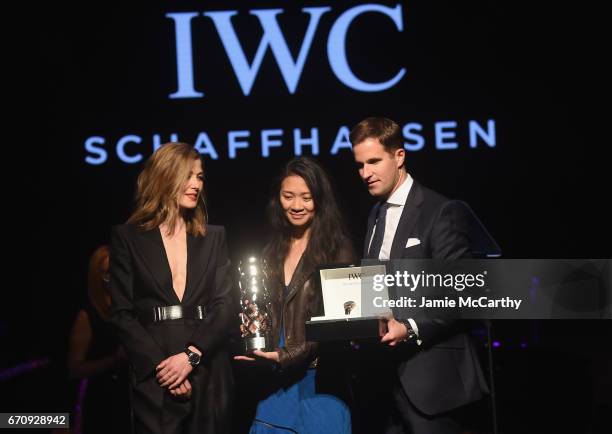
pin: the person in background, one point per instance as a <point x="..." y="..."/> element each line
<point x="96" y="358"/>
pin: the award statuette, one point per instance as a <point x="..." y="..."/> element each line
<point x="255" y="304"/>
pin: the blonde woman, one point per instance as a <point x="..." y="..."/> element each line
<point x="170" y="288"/>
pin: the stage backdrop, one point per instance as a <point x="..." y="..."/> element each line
<point x="485" y="94"/>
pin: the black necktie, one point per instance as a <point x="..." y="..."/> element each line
<point x="379" y="232"/>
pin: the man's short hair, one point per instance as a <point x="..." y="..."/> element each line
<point x="385" y="130"/>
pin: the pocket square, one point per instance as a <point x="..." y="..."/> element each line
<point x="412" y="242"/>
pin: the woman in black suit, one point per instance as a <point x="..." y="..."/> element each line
<point x="170" y="289"/>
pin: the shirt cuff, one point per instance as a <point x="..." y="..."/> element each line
<point x="414" y="326"/>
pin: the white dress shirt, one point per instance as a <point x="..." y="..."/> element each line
<point x="396" y="202"/>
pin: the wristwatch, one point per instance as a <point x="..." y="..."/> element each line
<point x="411" y="333"/>
<point x="192" y="357"/>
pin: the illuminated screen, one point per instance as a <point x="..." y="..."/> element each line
<point x="483" y="95"/>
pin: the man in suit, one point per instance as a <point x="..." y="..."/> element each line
<point x="436" y="369"/>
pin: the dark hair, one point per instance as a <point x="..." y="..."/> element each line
<point x="327" y="233"/>
<point x="388" y="133"/>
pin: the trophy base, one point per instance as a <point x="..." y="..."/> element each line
<point x="255" y="343"/>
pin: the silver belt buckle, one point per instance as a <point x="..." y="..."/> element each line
<point x="165" y="313"/>
<point x="174" y="312"/>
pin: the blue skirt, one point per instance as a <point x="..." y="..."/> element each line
<point x="298" y="409"/>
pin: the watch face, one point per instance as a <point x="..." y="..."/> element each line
<point x="194" y="358"/>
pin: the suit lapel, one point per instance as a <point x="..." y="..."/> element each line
<point x="198" y="258"/>
<point x="371" y="222"/>
<point x="151" y="248"/>
<point x="408" y="220"/>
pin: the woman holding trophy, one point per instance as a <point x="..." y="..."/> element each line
<point x="170" y="286"/>
<point x="307" y="232"/>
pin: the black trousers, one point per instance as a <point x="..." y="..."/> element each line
<point x="156" y="411"/>
<point x="381" y="405"/>
<point x="404" y="417"/>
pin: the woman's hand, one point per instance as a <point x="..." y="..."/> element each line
<point x="244" y="358"/>
<point x="173" y="371"/>
<point x="183" y="390"/>
<point x="270" y="355"/>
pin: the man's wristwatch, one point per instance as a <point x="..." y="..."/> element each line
<point x="411" y="333"/>
<point x="192" y="357"/>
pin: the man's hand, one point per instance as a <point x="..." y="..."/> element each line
<point x="396" y="333"/>
<point x="173" y="371"/>
<point x="183" y="390"/>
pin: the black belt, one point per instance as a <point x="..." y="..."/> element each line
<point x="178" y="311"/>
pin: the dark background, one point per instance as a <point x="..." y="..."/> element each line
<point x="108" y="70"/>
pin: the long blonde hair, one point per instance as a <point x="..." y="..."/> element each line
<point x="159" y="186"/>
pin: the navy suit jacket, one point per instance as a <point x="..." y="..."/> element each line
<point x="444" y="372"/>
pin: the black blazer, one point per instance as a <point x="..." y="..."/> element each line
<point x="443" y="373"/>
<point x="141" y="280"/>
